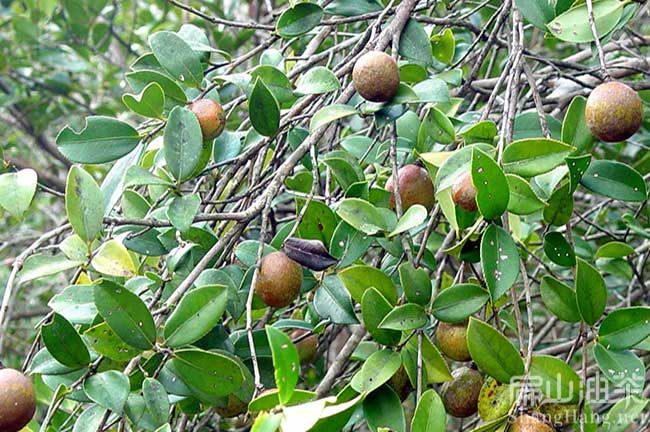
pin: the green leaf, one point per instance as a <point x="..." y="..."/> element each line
<point x="362" y="215"/>
<point x="84" y="204"/>
<point x="64" y="343"/>
<point x="270" y="399"/>
<point x="409" y="316"/>
<point x="18" y="189"/>
<point x="436" y="128"/>
<point x="285" y="362"/>
<point x="113" y="259"/>
<point x="415" y="216"/>
<point x="263" y="109"/>
<point x="90" y="419"/>
<point x="349" y="8"/>
<point x="333" y="302"/>
<point x="108" y="389"/>
<point x="556" y="379"/>
<point x="614" y="249"/>
<point x="105" y="342"/>
<point x="493" y="353"/>
<point x="500" y="260"/>
<point x="443" y="46"/>
<point x="435" y="365"/>
<point x="481" y="132"/>
<point x="492" y="191"/>
<point x="149" y="103"/>
<point x="575" y="131"/>
<point x="416" y="284"/>
<point x="126" y="314"/>
<point x="622" y="368"/>
<point x="196" y="314"/>
<point x="317" y="80"/>
<point x="299" y="19"/>
<point x="276" y="81"/>
<point x="140" y="79"/>
<point x="560" y="207"/>
<point x="182" y="143"/>
<point x="614" y="180"/>
<point x="329" y="114"/>
<point x="267" y="422"/>
<point x="359" y="278"/>
<point x="376" y="370"/>
<point x="374" y="308"/>
<point x="624" y="413"/>
<point x="458" y="302"/>
<point x="414" y="43"/>
<point x="534" y="156"/>
<point x="591" y="292"/>
<point x="383" y="409"/>
<point x="181" y="211"/>
<point x="573" y="25"/>
<point x="75" y="303"/>
<point x="136" y="176"/>
<point x="538" y="13"/>
<point x="38" y="266"/>
<point x="104" y="139"/>
<point x="156" y="400"/>
<point x="177" y="57"/>
<point x="523" y="200"/>
<point x="559" y="250"/>
<point x="208" y="374"/>
<point x="430" y="414"/>
<point x="624" y="328"/>
<point x="560" y="299"/>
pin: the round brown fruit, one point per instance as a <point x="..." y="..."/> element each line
<point x="463" y="192"/>
<point x="560" y="415"/>
<point x="452" y="341"/>
<point x="614" y="112"/>
<point x="234" y="408"/>
<point x="211" y="117"/>
<point x="495" y="399"/>
<point x="528" y="423"/>
<point x="460" y="395"/>
<point x="415" y="187"/>
<point x="376" y="77"/>
<point x="306" y="347"/>
<point x="17" y="400"/>
<point x="279" y="280"/>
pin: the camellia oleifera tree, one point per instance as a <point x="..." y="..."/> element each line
<point x="326" y="215"/>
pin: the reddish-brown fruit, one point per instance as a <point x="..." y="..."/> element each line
<point x="614" y="112"/>
<point x="17" y="400"/>
<point x="211" y="117"/>
<point x="234" y="408"/>
<point x="376" y="77"/>
<point x="463" y="192"/>
<point x="452" y="341"/>
<point x="279" y="280"/>
<point x="460" y="395"/>
<point x="306" y="346"/>
<point x="528" y="423"/>
<point x="415" y="187"/>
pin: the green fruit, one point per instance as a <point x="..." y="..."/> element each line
<point x="306" y="346"/>
<point x="452" y="341"/>
<point x="17" y="400"/>
<point x="463" y="192"/>
<point x="415" y="187"/>
<point x="401" y="383"/>
<point x="234" y="407"/>
<point x="614" y="112"/>
<point x="495" y="399"/>
<point x="376" y="77"/>
<point x="528" y="423"/>
<point x="560" y="414"/>
<point x="279" y="280"/>
<point x="211" y="117"/>
<point x="460" y="395"/>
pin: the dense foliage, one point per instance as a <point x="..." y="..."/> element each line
<point x="325" y="215"/>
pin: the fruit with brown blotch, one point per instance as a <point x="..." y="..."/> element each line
<point x="495" y="399"/>
<point x="614" y="112"/>
<point x="415" y="187"/>
<point x="452" y="341"/>
<point x="234" y="407"/>
<point x="279" y="280"/>
<point x="306" y="346"/>
<point x="460" y="395"/>
<point x="17" y="400"/>
<point x="528" y="423"/>
<point x="463" y="192"/>
<point x="376" y="77"/>
<point x="211" y="117"/>
<point x="560" y="415"/>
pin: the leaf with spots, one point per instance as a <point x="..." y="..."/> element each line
<point x="500" y="260"/>
<point x="577" y="167"/>
<point x="182" y="143"/>
<point x="492" y="190"/>
<point x="285" y="362"/>
<point x="409" y="316"/>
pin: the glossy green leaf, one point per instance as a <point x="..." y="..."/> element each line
<point x="333" y="302"/>
<point x="182" y="210"/>
<point x="577" y="167"/>
<point x="414" y="43"/>
<point x="430" y="414"/>
<point x="362" y="215"/>
<point x="376" y="370"/>
<point x="493" y="193"/>
<point x="359" y="278"/>
<point x="573" y="25"/>
<point x="39" y="265"/>
<point x="408" y="316"/>
<point x="108" y="389"/>
<point x="458" y="302"/>
<point x="500" y="260"/>
<point x="560" y="299"/>
<point x="182" y="143"/>
<point x="263" y="109"/>
<point x="614" y="180"/>
<point x="559" y="250"/>
<point x="523" y="200"/>
<point x="75" y="303"/>
<point x="140" y="79"/>
<point x="299" y="19"/>
<point x="149" y="103"/>
<point x="416" y="284"/>
<point x="383" y="409"/>
<point x="374" y="308"/>
<point x="415" y="216"/>
<point x="560" y="207"/>
<point x="105" y="342"/>
<point x="84" y="204"/>
<point x="436" y="128"/>
<point x="177" y="57"/>
<point x="624" y="413"/>
<point x="538" y="13"/>
<point x="534" y="156"/>
<point x="317" y="80"/>
<point x="285" y="362"/>
<point x="614" y="249"/>
<point x="591" y="292"/>
<point x="443" y="46"/>
<point x="493" y="353"/>
<point x="622" y="368"/>
<point x="557" y="380"/>
<point x="575" y="131"/>
<point x="330" y="114"/>
<point x="624" y="328"/>
<point x="64" y="343"/>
